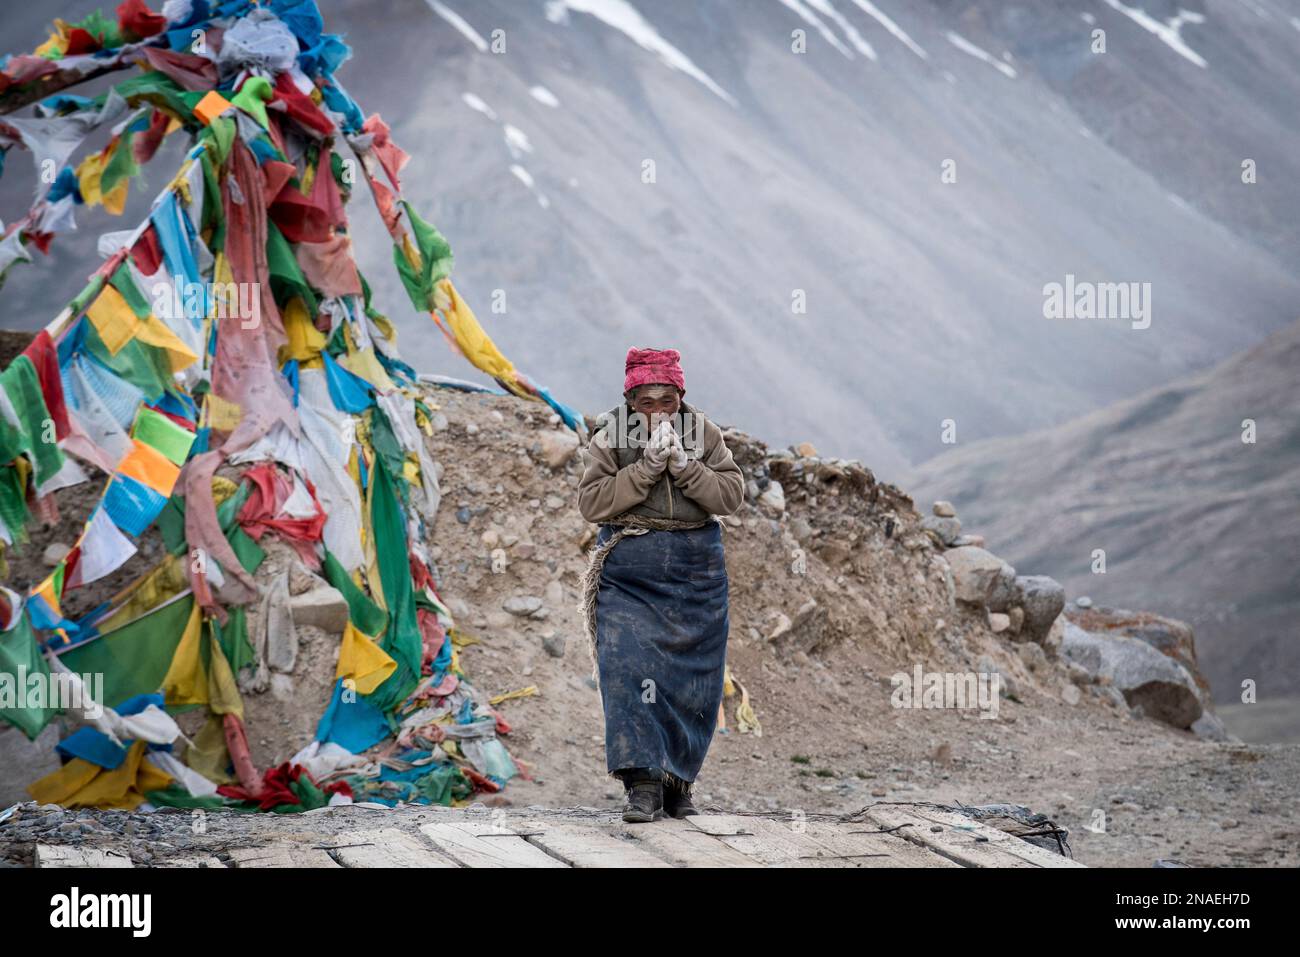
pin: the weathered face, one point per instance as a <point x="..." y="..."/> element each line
<point x="655" y="400"/>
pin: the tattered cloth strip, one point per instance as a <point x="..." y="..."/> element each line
<point x="286" y="505"/>
<point x="287" y="788"/>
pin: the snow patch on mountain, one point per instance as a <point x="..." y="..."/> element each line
<point x="462" y="27"/>
<point x="517" y="141"/>
<point x="1169" y="32"/>
<point x="475" y="102"/>
<point x="965" y="46"/>
<point x="526" y="178"/>
<point x="811" y="18"/>
<point x="871" y="10"/>
<point x="622" y="16"/>
<point x="825" y="8"/>
<point x="544" y="96"/>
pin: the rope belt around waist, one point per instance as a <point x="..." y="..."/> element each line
<point x="628" y="525"/>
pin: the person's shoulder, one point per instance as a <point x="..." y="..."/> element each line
<point x="702" y="429"/>
<point x="606" y="423"/>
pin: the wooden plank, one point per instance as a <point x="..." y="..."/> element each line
<point x="193" y="860"/>
<point x="862" y="849"/>
<point x="682" y="845"/>
<point x="386" y="847"/>
<point x="281" y="854"/>
<point x="957" y="838"/>
<point x="769" y="842"/>
<point x="582" y="845"/>
<point x="474" y="844"/>
<point x="64" y="855"/>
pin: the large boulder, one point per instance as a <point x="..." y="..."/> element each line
<point x="978" y="574"/>
<point x="1042" y="599"/>
<point x="1161" y="686"/>
<point x="1168" y="636"/>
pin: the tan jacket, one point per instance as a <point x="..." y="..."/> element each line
<point x="712" y="480"/>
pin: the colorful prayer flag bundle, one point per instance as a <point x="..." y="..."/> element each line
<point x="231" y="329"/>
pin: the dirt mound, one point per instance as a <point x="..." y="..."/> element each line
<point x="835" y="588"/>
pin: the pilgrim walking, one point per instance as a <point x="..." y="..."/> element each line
<point x="657" y="473"/>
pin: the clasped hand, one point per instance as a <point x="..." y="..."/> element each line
<point x="664" y="450"/>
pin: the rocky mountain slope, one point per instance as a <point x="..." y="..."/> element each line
<point x="616" y="171"/>
<point x="1194" y="521"/>
<point x="838" y="585"/>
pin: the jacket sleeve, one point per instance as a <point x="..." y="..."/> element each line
<point x="605" y="490"/>
<point x="713" y="480"/>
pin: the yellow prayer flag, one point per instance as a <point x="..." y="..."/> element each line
<point x="223" y="415"/>
<point x="187" y="680"/>
<point x="155" y="332"/>
<point x="113" y="319"/>
<point x="362" y="660"/>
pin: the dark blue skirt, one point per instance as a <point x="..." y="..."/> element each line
<point x="661" y="647"/>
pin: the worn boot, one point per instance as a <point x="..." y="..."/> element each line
<point x="645" y="795"/>
<point x="677" y="797"/>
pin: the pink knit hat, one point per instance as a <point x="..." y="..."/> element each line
<point x="653" y="366"/>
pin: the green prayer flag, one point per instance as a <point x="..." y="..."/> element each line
<point x="402" y="640"/>
<point x="287" y="279"/>
<point x="233" y="638"/>
<point x="121" y="165"/>
<point x="134" y="658"/>
<point x="13" y="503"/>
<point x="124" y="282"/>
<point x="23" y="387"/>
<point x="24" y="703"/>
<point x="144" y="366"/>
<point x="435" y="260"/>
<point x="366" y="616"/>
<point x="159" y="432"/>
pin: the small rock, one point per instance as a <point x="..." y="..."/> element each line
<point x="1032" y="655"/>
<point x="946" y="530"/>
<point x="773" y="498"/>
<point x="999" y="622"/>
<point x="783" y="625"/>
<point x="462" y="515"/>
<point x="553" y="645"/>
<point x="806" y="449"/>
<point x="1209" y="726"/>
<point x="323" y="607"/>
<point x="554" y="502"/>
<point x="54" y="553"/>
<point x="439" y="422"/>
<point x="1070" y="693"/>
<point x="522" y="605"/>
<point x="1083" y="601"/>
<point x="943" y="509"/>
<point x="556" y="448"/>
